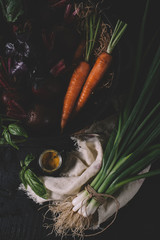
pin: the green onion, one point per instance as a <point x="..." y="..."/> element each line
<point x="131" y="147"/>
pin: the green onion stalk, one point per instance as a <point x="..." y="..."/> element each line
<point x="132" y="145"/>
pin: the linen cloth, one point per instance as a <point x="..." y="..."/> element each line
<point x="81" y="166"/>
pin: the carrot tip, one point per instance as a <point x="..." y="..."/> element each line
<point x="63" y="124"/>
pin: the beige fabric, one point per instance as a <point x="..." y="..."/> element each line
<point x="80" y="167"/>
<point x="128" y="192"/>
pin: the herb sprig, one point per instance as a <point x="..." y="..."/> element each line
<point x="12" y="9"/>
<point x="28" y="177"/>
<point x="12" y="133"/>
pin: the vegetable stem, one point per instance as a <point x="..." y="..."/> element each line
<point x="116" y="36"/>
<point x="112" y="190"/>
<point x="91" y="34"/>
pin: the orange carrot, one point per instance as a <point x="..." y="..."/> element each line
<point x="81" y="72"/>
<point x="77" y="80"/>
<point x="100" y="67"/>
<point x="79" y="51"/>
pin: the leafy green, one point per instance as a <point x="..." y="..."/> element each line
<point x="17" y="130"/>
<point x="22" y="177"/>
<point x="12" y="9"/>
<point x="36" y="185"/>
<point x="28" y="177"/>
<point x="28" y="159"/>
<point x="11" y="133"/>
<point x="2" y="141"/>
<point x="8" y="139"/>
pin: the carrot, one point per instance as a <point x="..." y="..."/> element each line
<point x="77" y="80"/>
<point x="81" y="72"/>
<point x="100" y="67"/>
<point x="79" y="51"/>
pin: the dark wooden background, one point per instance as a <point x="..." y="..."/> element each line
<point x="19" y="216"/>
